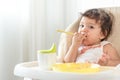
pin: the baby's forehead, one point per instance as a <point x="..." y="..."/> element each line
<point x="87" y="20"/>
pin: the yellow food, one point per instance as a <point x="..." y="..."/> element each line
<point x="76" y="67"/>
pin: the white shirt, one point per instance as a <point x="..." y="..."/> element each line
<point x="92" y="54"/>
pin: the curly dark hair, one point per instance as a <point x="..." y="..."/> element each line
<point x="105" y="18"/>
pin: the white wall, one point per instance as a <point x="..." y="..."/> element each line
<point x="60" y="13"/>
<point x="55" y="19"/>
<point x="14" y="17"/>
<point x="87" y="4"/>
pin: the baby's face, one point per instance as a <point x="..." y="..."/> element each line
<point x="92" y="31"/>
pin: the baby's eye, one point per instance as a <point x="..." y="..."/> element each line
<point x="81" y="26"/>
<point x="91" y="27"/>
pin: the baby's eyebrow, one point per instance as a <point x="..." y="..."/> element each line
<point x="81" y="24"/>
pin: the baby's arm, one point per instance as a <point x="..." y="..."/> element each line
<point x="111" y="57"/>
<point x="73" y="50"/>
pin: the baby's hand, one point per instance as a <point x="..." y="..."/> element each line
<point x="78" y="38"/>
<point x="103" y="61"/>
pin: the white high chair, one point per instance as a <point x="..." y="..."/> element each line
<point x="31" y="71"/>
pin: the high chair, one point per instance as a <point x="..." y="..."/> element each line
<point x="31" y="71"/>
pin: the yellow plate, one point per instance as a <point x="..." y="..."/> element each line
<point x="76" y="67"/>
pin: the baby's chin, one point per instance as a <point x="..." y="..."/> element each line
<point x="87" y="43"/>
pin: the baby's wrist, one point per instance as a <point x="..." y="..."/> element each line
<point x="75" y="46"/>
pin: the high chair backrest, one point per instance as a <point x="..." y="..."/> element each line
<point x="65" y="39"/>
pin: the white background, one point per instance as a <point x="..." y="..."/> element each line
<point x="29" y="25"/>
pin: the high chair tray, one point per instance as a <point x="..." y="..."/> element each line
<point x="31" y="70"/>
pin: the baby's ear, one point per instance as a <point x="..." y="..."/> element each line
<point x="102" y="36"/>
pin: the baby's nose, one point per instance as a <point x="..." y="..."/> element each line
<point x="82" y="32"/>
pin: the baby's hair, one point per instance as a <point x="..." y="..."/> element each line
<point x="103" y="17"/>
